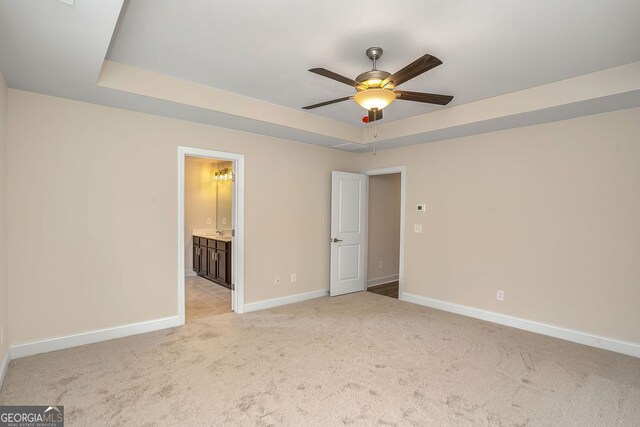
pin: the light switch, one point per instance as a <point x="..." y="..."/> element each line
<point x="421" y="208"/>
<point x="208" y="221"/>
<point x="417" y="228"/>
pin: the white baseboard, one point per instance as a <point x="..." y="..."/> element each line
<point x="4" y="364"/>
<point x="624" y="347"/>
<point x="90" y="337"/>
<point x="190" y="273"/>
<point x="276" y="302"/>
<point x="382" y="280"/>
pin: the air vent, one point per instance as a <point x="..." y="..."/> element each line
<point x="351" y="147"/>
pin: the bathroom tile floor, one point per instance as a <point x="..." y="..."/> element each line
<point x="204" y="298"/>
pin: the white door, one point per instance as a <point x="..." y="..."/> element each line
<point x="348" y="232"/>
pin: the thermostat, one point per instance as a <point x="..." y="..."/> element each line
<point x="421" y="208"/>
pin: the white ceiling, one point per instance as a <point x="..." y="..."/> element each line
<point x="263" y="50"/>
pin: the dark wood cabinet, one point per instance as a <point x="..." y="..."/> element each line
<point x="199" y="257"/>
<point x="212" y="264"/>
<point x="212" y="260"/>
<point x="221" y="270"/>
<point x="197" y="266"/>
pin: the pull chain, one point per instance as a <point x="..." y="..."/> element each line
<point x="375" y="135"/>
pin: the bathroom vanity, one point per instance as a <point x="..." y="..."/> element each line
<point x="212" y="258"/>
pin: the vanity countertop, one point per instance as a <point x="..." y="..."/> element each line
<point x="216" y="237"/>
<point x="211" y="234"/>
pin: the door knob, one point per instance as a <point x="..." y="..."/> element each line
<point x="336" y="240"/>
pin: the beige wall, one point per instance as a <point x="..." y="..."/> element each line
<point x="547" y="213"/>
<point x="4" y="305"/>
<point x="384" y="227"/>
<point x="93" y="217"/>
<point x="199" y="203"/>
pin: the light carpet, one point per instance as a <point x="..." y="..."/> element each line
<point x="359" y="359"/>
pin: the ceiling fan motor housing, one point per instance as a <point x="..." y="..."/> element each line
<point x="371" y="79"/>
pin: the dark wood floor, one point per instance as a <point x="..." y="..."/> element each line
<point x="387" y="289"/>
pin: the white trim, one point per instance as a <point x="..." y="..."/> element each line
<point x="382" y="280"/>
<point x="624" y="347"/>
<point x="4" y="365"/>
<point x="181" y="172"/>
<point x="365" y="250"/>
<point x="190" y="274"/>
<point x="290" y="299"/>
<point x="237" y="253"/>
<point x="90" y="337"/>
<point x="402" y="170"/>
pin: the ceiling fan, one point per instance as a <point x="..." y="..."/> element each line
<point x="375" y="89"/>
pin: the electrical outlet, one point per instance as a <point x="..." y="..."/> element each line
<point x="293" y="277"/>
<point x="500" y="295"/>
<point x="276" y="280"/>
<point x="208" y="221"/>
<point x="417" y="228"/>
<point x="224" y="221"/>
<point x="380" y="264"/>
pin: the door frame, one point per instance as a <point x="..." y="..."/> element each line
<point x="402" y="170"/>
<point x="237" y="214"/>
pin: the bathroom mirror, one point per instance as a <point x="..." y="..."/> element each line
<point x="224" y="186"/>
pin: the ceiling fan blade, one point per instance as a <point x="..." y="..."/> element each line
<point x="322" y="104"/>
<point x="417" y="67"/>
<point x="429" y="98"/>
<point x="333" y="76"/>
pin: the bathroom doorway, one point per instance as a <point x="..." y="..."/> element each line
<point x="210" y="231"/>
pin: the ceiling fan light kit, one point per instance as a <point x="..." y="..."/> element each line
<point x="375" y="88"/>
<point x="374" y="98"/>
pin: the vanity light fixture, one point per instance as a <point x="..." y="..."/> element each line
<point x="223" y="175"/>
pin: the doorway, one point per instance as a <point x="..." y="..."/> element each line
<point x="210" y="233"/>
<point x="350" y="233"/>
<point x="208" y="193"/>
<point x="383" y="237"/>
